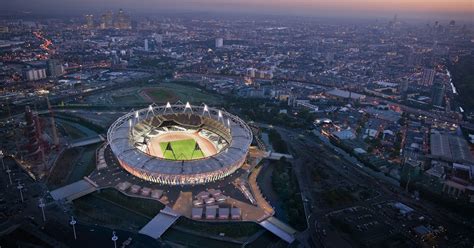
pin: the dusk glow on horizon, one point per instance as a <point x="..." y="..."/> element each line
<point x="412" y="8"/>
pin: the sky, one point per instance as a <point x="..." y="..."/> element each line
<point x="455" y="9"/>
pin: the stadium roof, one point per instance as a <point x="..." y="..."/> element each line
<point x="120" y="131"/>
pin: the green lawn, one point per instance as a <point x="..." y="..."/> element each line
<point x="183" y="150"/>
<point x="172" y="92"/>
<point x="162" y="95"/>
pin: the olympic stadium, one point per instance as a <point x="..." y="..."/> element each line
<point x="180" y="144"/>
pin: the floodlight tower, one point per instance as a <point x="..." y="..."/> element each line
<point x="130" y="126"/>
<point x="73" y="223"/>
<point x="205" y="110"/>
<point x="150" y="110"/>
<point x="186" y="107"/>
<point x="219" y="116"/>
<point x="114" y="238"/>
<point x="168" y="107"/>
<point x="42" y="205"/>
<point x="137" y="116"/>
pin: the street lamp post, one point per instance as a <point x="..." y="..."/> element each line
<point x="114" y="238"/>
<point x="42" y="205"/>
<point x="9" y="175"/>
<point x="73" y="223"/>
<point x="20" y="187"/>
<point x="1" y="157"/>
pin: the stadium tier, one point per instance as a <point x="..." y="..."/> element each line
<point x="180" y="144"/>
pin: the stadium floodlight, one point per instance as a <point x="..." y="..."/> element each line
<point x="219" y="114"/>
<point x="168" y="107"/>
<point x="187" y="106"/>
<point x="150" y="109"/>
<point x="206" y="110"/>
<point x="130" y="125"/>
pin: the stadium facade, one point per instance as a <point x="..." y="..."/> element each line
<point x="130" y="139"/>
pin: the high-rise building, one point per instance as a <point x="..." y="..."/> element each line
<point x="107" y="20"/>
<point x="89" y="21"/>
<point x="437" y="93"/>
<point x="219" y="42"/>
<point x="427" y="77"/>
<point x="403" y="88"/>
<point x="146" y="45"/>
<point x="55" y="68"/>
<point x="251" y="72"/>
<point x="122" y="20"/>
<point x="3" y="29"/>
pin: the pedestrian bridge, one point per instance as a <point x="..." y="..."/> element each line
<point x="279" y="228"/>
<point x="277" y="156"/>
<point x="86" y="141"/>
<point x="160" y="223"/>
<point x="75" y="190"/>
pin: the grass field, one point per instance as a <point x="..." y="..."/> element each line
<point x="172" y="92"/>
<point x="183" y="150"/>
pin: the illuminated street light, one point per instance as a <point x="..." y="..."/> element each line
<point x="20" y="187"/>
<point x="73" y="223"/>
<point x="1" y="157"/>
<point x="9" y="175"/>
<point x="114" y="238"/>
<point x="42" y="205"/>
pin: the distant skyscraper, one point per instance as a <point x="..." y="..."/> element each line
<point x="219" y="42"/>
<point x="146" y="45"/>
<point x="122" y="20"/>
<point x="89" y="21"/>
<point x="437" y="93"/>
<point x="427" y="77"/>
<point x="403" y="88"/>
<point x="107" y="20"/>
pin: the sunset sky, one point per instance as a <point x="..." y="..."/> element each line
<point x="411" y="8"/>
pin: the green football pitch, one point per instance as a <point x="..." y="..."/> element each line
<point x="183" y="150"/>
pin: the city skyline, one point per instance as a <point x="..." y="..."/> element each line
<point x="419" y="9"/>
